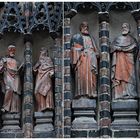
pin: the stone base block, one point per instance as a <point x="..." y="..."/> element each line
<point x="125" y="115"/>
<point x="84" y="133"/>
<point x="84" y="114"/>
<point x="84" y="123"/>
<point x="11" y="134"/>
<point x="44" y="127"/>
<point x="50" y="134"/>
<point x="129" y="124"/>
<point x="124" y="134"/>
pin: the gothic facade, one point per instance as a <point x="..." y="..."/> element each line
<point x="58" y="67"/>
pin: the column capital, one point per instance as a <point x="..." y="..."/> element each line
<point x="28" y="38"/>
<point x="71" y="13"/>
<point x="136" y="14"/>
<point x="103" y="16"/>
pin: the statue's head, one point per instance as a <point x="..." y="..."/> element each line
<point x="84" y="29"/>
<point x="11" y="50"/>
<point x="125" y="28"/>
<point x="43" y="52"/>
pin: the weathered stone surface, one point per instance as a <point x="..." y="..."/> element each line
<point x="105" y="105"/>
<point x="67" y="38"/>
<point x="43" y="121"/>
<point x="44" y="114"/>
<point x="104" y="72"/>
<point x="11" y="134"/>
<point x="125" y="115"/>
<point x="93" y="133"/>
<point x="67" y="103"/>
<point x="8" y="116"/>
<point x="104" y="56"/>
<point x="79" y="134"/>
<point x="129" y="104"/>
<point x="11" y="121"/>
<point x="67" y="70"/>
<point x="67" y="121"/>
<point x="84" y="123"/>
<point x="50" y="134"/>
<point x="105" y="122"/>
<point x="125" y="134"/>
<point x="84" y="114"/>
<point x="67" y="87"/>
<point x="67" y="22"/>
<point x="44" y="127"/>
<point x="67" y="53"/>
<point x="84" y="103"/>
<point x="67" y="130"/>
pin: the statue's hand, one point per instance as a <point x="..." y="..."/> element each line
<point x="36" y="66"/>
<point x="51" y="73"/>
<point x="4" y="60"/>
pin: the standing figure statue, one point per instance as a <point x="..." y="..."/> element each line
<point x="11" y="86"/>
<point x="43" y="86"/>
<point x="84" y="54"/>
<point x="124" y="51"/>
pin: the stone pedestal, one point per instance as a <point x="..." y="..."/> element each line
<point x="11" y="126"/>
<point x="11" y="121"/>
<point x="125" y="118"/>
<point x="84" y="117"/>
<point x="44" y="125"/>
<point x="44" y="121"/>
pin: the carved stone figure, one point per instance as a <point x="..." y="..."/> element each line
<point x="84" y="62"/>
<point x="11" y="86"/>
<point x="43" y="86"/>
<point x="124" y="53"/>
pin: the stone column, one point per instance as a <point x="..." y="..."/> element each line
<point x="28" y="107"/>
<point x="58" y="88"/>
<point x="104" y="81"/>
<point x="136" y="15"/>
<point x="67" y="89"/>
<point x="67" y="80"/>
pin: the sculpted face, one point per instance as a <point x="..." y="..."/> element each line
<point x="84" y="28"/>
<point x="11" y="51"/>
<point x="43" y="53"/>
<point x="125" y="29"/>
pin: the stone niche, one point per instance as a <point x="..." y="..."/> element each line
<point x="125" y="115"/>
<point x="11" y="124"/>
<point x="44" y="121"/>
<point x="84" y="110"/>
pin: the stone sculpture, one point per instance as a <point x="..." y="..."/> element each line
<point x="11" y="86"/>
<point x="84" y="54"/>
<point x="43" y="85"/>
<point x="124" y="51"/>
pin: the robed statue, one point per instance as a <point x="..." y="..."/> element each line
<point x="43" y="85"/>
<point x="11" y="86"/>
<point x="84" y="54"/>
<point x="124" y="51"/>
